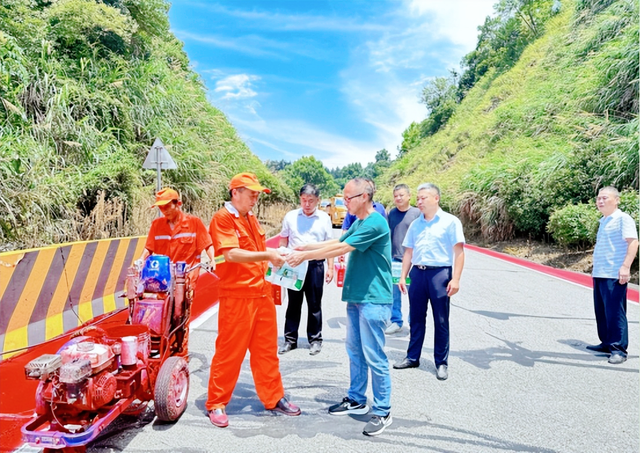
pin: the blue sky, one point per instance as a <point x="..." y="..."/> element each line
<point x="338" y="80"/>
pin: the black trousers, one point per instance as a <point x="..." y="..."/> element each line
<point x="312" y="289"/>
<point x="429" y="286"/>
<point x="610" y="304"/>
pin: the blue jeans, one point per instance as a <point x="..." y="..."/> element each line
<point x="365" y="348"/>
<point x="396" y="311"/>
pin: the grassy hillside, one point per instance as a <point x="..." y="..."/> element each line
<point x="546" y="134"/>
<point x="85" y="88"/>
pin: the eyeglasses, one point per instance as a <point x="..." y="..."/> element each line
<point x="355" y="196"/>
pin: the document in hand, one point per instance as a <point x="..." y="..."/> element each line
<point x="287" y="276"/>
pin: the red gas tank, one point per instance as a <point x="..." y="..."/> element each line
<point x="341" y="268"/>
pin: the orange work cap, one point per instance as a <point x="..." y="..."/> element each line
<point x="165" y="196"/>
<point x="248" y="180"/>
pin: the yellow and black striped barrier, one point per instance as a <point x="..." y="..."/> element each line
<point x="48" y="291"/>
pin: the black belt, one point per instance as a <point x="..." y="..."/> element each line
<point x="430" y="268"/>
<point x="316" y="261"/>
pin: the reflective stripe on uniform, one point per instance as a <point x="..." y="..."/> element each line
<point x="184" y="235"/>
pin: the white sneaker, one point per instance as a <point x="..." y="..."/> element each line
<point x="393" y="328"/>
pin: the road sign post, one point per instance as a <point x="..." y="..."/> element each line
<point x="159" y="159"/>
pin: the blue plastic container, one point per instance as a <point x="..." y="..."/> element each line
<point x="156" y="274"/>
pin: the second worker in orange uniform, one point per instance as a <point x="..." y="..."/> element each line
<point x="178" y="235"/>
<point x="181" y="237"/>
<point x="247" y="314"/>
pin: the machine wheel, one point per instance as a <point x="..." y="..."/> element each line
<point x="172" y="389"/>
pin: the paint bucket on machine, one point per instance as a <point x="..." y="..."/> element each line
<point x="156" y="274"/>
<point x="134" y="331"/>
<point x="129" y="351"/>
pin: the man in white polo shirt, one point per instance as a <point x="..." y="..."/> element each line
<point x="303" y="226"/>
<point x="435" y="247"/>
<point x="616" y="248"/>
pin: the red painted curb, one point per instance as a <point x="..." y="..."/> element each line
<point x="571" y="276"/>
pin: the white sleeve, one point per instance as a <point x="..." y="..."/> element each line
<point x="328" y="228"/>
<point x="629" y="228"/>
<point x="286" y="229"/>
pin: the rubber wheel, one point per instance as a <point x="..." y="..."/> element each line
<point x="172" y="389"/>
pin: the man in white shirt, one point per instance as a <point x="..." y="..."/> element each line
<point x="303" y="226"/>
<point x="434" y="251"/>
<point x="616" y="248"/>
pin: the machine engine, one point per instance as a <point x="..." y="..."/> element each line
<point x="80" y="377"/>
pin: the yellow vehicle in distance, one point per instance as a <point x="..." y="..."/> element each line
<point x="337" y="210"/>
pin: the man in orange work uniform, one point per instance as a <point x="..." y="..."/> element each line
<point x="180" y="236"/>
<point x="247" y="314"/>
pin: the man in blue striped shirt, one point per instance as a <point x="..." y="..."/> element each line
<point x="616" y="248"/>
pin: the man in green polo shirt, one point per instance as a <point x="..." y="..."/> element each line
<point x="367" y="291"/>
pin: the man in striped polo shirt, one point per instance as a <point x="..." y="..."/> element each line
<point x="616" y="248"/>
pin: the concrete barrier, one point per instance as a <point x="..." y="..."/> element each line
<point x="49" y="291"/>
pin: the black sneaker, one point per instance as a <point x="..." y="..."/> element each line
<point x="377" y="424"/>
<point x="598" y="348"/>
<point x="348" y="407"/>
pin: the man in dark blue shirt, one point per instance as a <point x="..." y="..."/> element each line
<point x="400" y="218"/>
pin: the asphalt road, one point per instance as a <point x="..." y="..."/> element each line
<point x="520" y="380"/>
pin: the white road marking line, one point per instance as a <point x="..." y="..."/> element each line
<point x="203" y="317"/>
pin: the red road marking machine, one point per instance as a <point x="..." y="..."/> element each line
<point x="102" y="373"/>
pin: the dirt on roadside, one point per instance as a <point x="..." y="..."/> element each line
<point x="550" y="255"/>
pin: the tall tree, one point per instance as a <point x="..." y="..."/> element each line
<point x="310" y="170"/>
<point x="277" y="165"/>
<point x="410" y="139"/>
<point x="503" y="38"/>
<point x="440" y="97"/>
<point x="383" y="156"/>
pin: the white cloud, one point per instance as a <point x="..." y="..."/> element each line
<point x="436" y="30"/>
<point x="237" y="86"/>
<point x="289" y="137"/>
<point x="389" y="105"/>
<point x="332" y="149"/>
<point x="264" y="19"/>
<point x="258" y="46"/>
<point x="381" y="82"/>
<point x="456" y="20"/>
<point x="250" y="45"/>
<point x="386" y="75"/>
